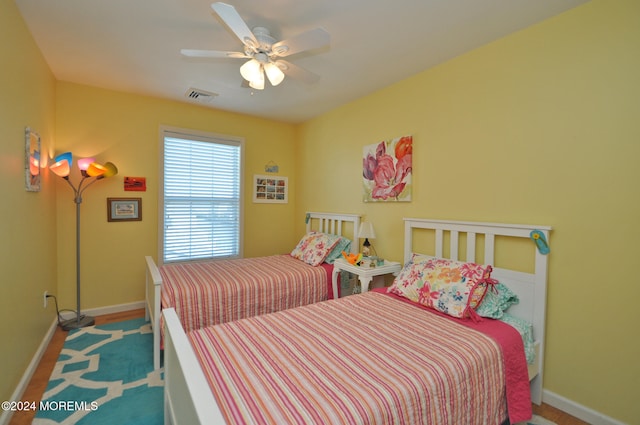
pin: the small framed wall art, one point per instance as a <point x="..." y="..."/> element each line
<point x="270" y="189"/>
<point x="135" y="184"/>
<point x="124" y="209"/>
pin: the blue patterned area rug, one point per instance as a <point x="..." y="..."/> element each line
<point x="105" y="375"/>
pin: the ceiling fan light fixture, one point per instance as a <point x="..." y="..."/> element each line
<point x="251" y="70"/>
<point x="274" y="74"/>
<point x="263" y="51"/>
<point x="258" y="83"/>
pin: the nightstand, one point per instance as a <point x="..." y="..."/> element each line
<point x="365" y="274"/>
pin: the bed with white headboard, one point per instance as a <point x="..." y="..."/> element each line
<point x="193" y="282"/>
<point x="478" y="240"/>
<point x="346" y="359"/>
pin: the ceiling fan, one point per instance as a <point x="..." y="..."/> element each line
<point x="263" y="51"/>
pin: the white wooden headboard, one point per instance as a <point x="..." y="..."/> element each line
<point x="531" y="288"/>
<point x="333" y="223"/>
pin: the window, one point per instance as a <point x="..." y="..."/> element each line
<point x="201" y="196"/>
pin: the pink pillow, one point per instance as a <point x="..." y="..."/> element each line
<point x="314" y="247"/>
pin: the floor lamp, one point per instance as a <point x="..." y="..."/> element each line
<point x="91" y="172"/>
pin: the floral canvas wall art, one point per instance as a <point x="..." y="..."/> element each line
<point x="386" y="170"/>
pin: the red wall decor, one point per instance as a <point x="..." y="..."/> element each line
<point x="136" y="184"/>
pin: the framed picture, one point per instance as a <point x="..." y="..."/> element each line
<point x="387" y="169"/>
<point x="32" y="160"/>
<point x="270" y="189"/>
<point x="135" y="184"/>
<point x="124" y="209"/>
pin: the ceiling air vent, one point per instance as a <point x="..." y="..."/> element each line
<point x="200" y="96"/>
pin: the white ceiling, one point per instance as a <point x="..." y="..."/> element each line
<point x="134" y="45"/>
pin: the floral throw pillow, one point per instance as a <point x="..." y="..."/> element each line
<point x="449" y="286"/>
<point x="409" y="281"/>
<point x="314" y="247"/>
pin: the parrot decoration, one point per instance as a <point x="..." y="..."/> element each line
<point x="352" y="258"/>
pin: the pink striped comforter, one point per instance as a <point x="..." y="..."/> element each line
<point x="213" y="292"/>
<point x="365" y="359"/>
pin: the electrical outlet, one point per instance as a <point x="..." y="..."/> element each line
<point x="46" y="293"/>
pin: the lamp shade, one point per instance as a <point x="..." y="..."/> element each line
<point x="258" y="83"/>
<point x="274" y="74"/>
<point x="366" y="231"/>
<point x="251" y="70"/>
<point x="84" y="163"/>
<point x="61" y="168"/>
<point x="95" y="170"/>
<point x="67" y="156"/>
<point x="111" y="169"/>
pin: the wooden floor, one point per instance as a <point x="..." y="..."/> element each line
<point x="557" y="415"/>
<point x="40" y="378"/>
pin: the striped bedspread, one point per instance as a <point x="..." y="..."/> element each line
<point x="213" y="292"/>
<point x="363" y="359"/>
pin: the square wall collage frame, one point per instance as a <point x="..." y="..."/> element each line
<point x="270" y="189"/>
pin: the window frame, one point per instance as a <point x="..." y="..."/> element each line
<point x="189" y="134"/>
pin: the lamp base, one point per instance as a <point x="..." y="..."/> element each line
<point x="74" y="323"/>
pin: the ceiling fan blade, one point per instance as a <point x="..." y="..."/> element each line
<point x="308" y="40"/>
<point x="191" y="53"/>
<point x="297" y="72"/>
<point x="236" y="24"/>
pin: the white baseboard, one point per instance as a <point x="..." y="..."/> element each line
<point x="115" y="308"/>
<point x="100" y="311"/>
<point x="578" y="410"/>
<point x="5" y="417"/>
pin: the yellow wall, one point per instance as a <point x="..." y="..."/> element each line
<point x="27" y="225"/>
<point x="124" y="129"/>
<point x="540" y="127"/>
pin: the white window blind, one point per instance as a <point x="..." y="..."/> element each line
<point x="201" y="198"/>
